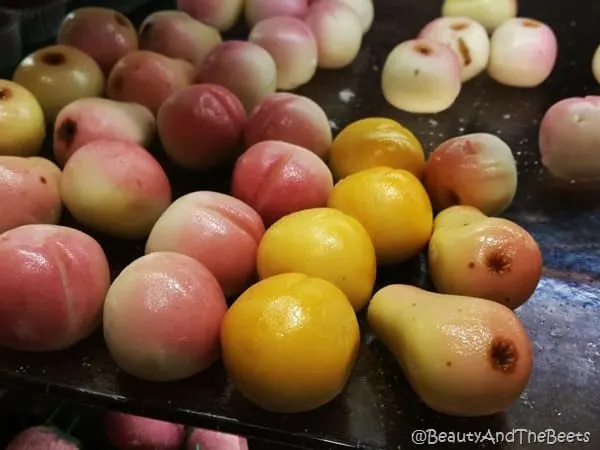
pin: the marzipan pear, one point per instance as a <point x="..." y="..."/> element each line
<point x="479" y="256"/>
<point x="463" y="356"/>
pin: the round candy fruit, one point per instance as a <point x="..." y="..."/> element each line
<point x="421" y="76"/>
<point x="22" y="124"/>
<point x="375" y="142"/>
<point x="290" y="342"/>
<point x="323" y="243"/>
<point x="394" y="208"/>
<point x="58" y="75"/>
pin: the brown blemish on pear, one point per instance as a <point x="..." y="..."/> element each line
<point x="499" y="262"/>
<point x="503" y="354"/>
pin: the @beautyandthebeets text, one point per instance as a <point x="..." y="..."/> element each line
<point x="520" y="436"/>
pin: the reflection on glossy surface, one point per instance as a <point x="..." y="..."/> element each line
<point x="377" y="408"/>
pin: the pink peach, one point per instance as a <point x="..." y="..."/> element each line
<point x="201" y="126"/>
<point x="338" y="31"/>
<point x="291" y="118"/>
<point x="89" y="119"/>
<point x="218" y="230"/>
<point x="115" y="187"/>
<point x="178" y="35"/>
<point x="203" y="439"/>
<point x="53" y="280"/>
<point x="126" y="431"/>
<point x="148" y="78"/>
<point x="244" y="68"/>
<point x="568" y="138"/>
<point x="104" y="34"/>
<point x="292" y="45"/>
<point x="257" y="10"/>
<point x="162" y="317"/>
<point x="277" y="179"/>
<point x="35" y="179"/>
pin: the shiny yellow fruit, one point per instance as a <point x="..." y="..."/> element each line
<point x="375" y="142"/>
<point x="323" y="243"/>
<point x="289" y="343"/>
<point x="22" y="123"/>
<point x="393" y="206"/>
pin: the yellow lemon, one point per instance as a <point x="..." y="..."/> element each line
<point x="393" y="206"/>
<point x="323" y="243"/>
<point x="375" y="142"/>
<point x="290" y="342"/>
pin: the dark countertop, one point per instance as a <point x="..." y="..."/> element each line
<point x="377" y="409"/>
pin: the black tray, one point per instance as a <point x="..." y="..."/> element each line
<point x="377" y="409"/>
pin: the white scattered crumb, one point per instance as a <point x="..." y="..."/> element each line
<point x="506" y="116"/>
<point x="461" y="120"/>
<point x="375" y="67"/>
<point x="347" y="95"/>
<point x="573" y="23"/>
<point x="333" y="125"/>
<point x="461" y="130"/>
<point x="433" y="122"/>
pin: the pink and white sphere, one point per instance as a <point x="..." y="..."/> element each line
<point x="52" y="287"/>
<point x="246" y="69"/>
<point x="338" y="31"/>
<point x="276" y="179"/>
<point x="523" y="53"/>
<point x="568" y="138"/>
<point x="421" y="76"/>
<point x="291" y="118"/>
<point x="468" y="38"/>
<point x="217" y="230"/>
<point x="115" y="187"/>
<point x="292" y="45"/>
<point x="162" y="317"/>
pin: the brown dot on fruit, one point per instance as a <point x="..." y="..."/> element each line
<point x="423" y="49"/>
<point x="529" y="23"/>
<point x="498" y="262"/>
<point x="471" y="265"/>
<point x="54" y="59"/>
<point x="121" y="20"/>
<point x="5" y="93"/>
<point x="43" y="180"/>
<point x="417" y="71"/>
<point x="67" y="131"/>
<point x="503" y="354"/>
<point x="449" y="363"/>
<point x="459" y="26"/>
<point x="463" y="48"/>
